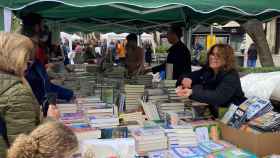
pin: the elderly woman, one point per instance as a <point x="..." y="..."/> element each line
<point x="19" y="109"/>
<point x="217" y="83"/>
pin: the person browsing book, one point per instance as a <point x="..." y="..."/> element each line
<point x="217" y="83"/>
<point x="49" y="140"/>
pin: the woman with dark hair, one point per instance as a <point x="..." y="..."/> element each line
<point x="217" y="83"/>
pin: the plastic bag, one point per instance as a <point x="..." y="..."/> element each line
<point x="260" y="84"/>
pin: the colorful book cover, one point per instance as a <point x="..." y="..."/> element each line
<point x="234" y="153"/>
<point x="183" y="152"/>
<point x="211" y="146"/>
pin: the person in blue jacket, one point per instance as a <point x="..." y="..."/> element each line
<point x="38" y="79"/>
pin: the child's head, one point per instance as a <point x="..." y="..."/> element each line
<point x="50" y="140"/>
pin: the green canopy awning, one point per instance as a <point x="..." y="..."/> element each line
<point x="134" y="15"/>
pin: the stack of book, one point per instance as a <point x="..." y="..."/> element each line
<point x="87" y="85"/>
<point x="132" y="120"/>
<point x="155" y="95"/>
<point x="92" y="68"/>
<point x="108" y="148"/>
<point x="181" y="136"/>
<point x="149" y="139"/>
<point x="173" y="96"/>
<point x="258" y="107"/>
<point x="234" y="153"/>
<point x="150" y="110"/>
<point x="250" y="109"/>
<point x="174" y="118"/>
<point x="67" y="108"/>
<point x="170" y="87"/>
<point x="101" y="117"/>
<point x="163" y="108"/>
<point x="115" y="72"/>
<point x="269" y="122"/>
<point x="98" y="113"/>
<point x="133" y="94"/>
<point x="146" y="80"/>
<point x="159" y="154"/>
<point x="168" y="83"/>
<point x="85" y="132"/>
<point x="187" y="152"/>
<point x="211" y="146"/>
<point x="73" y="118"/>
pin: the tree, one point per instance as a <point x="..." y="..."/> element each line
<point x="16" y="24"/>
<point x="255" y="30"/>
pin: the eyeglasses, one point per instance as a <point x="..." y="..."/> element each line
<point x="217" y="55"/>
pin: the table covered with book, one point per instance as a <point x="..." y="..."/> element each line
<point x="117" y="117"/>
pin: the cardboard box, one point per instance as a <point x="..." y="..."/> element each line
<point x="263" y="144"/>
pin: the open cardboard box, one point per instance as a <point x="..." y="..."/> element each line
<point x="261" y="144"/>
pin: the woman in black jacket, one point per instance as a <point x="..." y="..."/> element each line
<point x="217" y="83"/>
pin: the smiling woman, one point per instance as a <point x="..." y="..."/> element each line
<point x="217" y="83"/>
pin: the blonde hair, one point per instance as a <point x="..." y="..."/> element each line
<point x="50" y="140"/>
<point x="227" y="56"/>
<point x="15" y="51"/>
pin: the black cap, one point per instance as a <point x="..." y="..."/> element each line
<point x="131" y="37"/>
<point x="177" y="30"/>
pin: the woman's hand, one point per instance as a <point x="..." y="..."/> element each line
<point x="53" y="112"/>
<point x="183" y="92"/>
<point x="186" y="83"/>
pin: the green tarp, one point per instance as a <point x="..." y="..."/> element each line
<point x="135" y="15"/>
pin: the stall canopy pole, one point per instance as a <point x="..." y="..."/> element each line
<point x="7" y="20"/>
<point x="187" y="29"/>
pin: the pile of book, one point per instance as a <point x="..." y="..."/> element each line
<point x="170" y="87"/>
<point x="174" y="118"/>
<point x="155" y="95"/>
<point x="252" y="108"/>
<point x="115" y="72"/>
<point x="87" y="84"/>
<point x="269" y="122"/>
<point x="181" y="136"/>
<point x="217" y="149"/>
<point x="132" y="120"/>
<point x="102" y="117"/>
<point x="98" y="113"/>
<point x="133" y="94"/>
<point x="84" y="131"/>
<point x="78" y="67"/>
<point x="67" y="108"/>
<point x="168" y="83"/>
<point x="92" y="68"/>
<point x="71" y="83"/>
<point x="75" y="119"/>
<point x="108" y="148"/>
<point x="163" y="108"/>
<point x="149" y="139"/>
<point x="150" y="110"/>
<point x="146" y="80"/>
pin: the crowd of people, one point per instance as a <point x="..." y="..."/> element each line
<point x="26" y="91"/>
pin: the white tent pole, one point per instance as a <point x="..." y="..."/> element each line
<point x="7" y="20"/>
